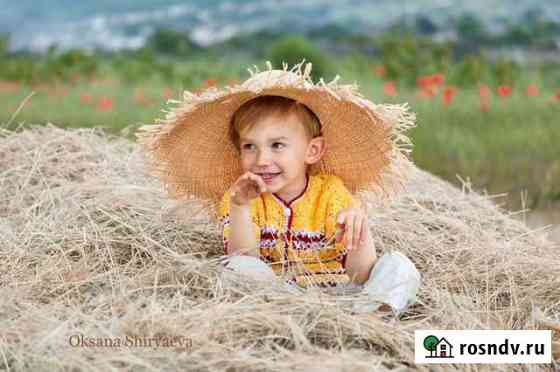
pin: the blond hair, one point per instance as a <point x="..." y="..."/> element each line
<point x="253" y="110"/>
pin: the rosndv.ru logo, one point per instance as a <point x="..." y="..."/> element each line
<point x="498" y="346"/>
<point x="441" y="348"/>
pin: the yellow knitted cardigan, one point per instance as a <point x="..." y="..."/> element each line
<point x="292" y="235"/>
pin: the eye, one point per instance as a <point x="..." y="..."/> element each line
<point x="247" y="146"/>
<point x="278" y="145"/>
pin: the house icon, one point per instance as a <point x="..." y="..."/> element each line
<point x="438" y="347"/>
<point x="443" y="349"/>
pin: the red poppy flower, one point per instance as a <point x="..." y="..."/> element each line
<point x="428" y="92"/>
<point x="141" y="98"/>
<point x="423" y="81"/>
<point x="380" y="71"/>
<point x="105" y="104"/>
<point x="430" y="81"/>
<point x="86" y="99"/>
<point x="61" y="92"/>
<point x="449" y="94"/>
<point x="210" y="82"/>
<point x="484" y="91"/>
<point x="167" y="93"/>
<point x="504" y="91"/>
<point x="532" y="90"/>
<point x="9" y="87"/>
<point x="438" y="79"/>
<point x="390" y="89"/>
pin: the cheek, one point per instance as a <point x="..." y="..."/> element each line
<point x="247" y="161"/>
<point x="282" y="158"/>
<point x="294" y="157"/>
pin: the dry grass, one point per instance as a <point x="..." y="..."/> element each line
<point x="90" y="245"/>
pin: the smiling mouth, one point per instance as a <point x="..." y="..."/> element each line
<point x="268" y="176"/>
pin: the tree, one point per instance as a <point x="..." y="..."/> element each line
<point x="470" y="28"/>
<point x="430" y="344"/>
<point x="170" y="41"/>
<point x="425" y="25"/>
<point x="4" y="44"/>
<point x="406" y="56"/>
<point x="293" y="49"/>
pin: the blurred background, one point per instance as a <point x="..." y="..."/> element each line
<point x="483" y="76"/>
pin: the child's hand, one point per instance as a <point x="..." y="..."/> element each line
<point x="247" y="187"/>
<point x="353" y="222"/>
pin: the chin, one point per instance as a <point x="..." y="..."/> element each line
<point x="276" y="186"/>
<point x="273" y="189"/>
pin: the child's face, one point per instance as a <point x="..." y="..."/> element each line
<point x="281" y="147"/>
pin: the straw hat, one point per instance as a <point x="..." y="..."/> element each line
<point x="191" y="151"/>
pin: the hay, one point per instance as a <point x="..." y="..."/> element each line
<point x="90" y="245"/>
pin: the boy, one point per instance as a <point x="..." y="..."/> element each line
<point x="278" y="139"/>
<point x="278" y="159"/>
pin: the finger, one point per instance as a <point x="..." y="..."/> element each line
<point x="339" y="229"/>
<point x="236" y="187"/>
<point x="363" y="232"/>
<point x="244" y="188"/>
<point x="340" y="224"/>
<point x="341" y="217"/>
<point x="358" y="221"/>
<point x="250" y="184"/>
<point x="241" y="185"/>
<point x="339" y="233"/>
<point x="349" y="233"/>
<point x="241" y="181"/>
<point x="259" y="181"/>
<point x="255" y="181"/>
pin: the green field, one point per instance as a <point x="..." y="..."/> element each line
<point x="512" y="147"/>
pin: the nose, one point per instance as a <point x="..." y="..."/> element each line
<point x="263" y="158"/>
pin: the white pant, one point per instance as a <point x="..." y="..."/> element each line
<point x="394" y="280"/>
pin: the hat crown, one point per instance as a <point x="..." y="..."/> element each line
<point x="271" y="78"/>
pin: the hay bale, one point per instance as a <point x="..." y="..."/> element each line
<point x="91" y="246"/>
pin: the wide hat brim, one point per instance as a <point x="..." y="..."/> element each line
<point x="191" y="150"/>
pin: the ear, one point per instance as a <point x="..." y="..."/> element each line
<point x="315" y="150"/>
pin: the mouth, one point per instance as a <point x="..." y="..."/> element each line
<point x="268" y="177"/>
